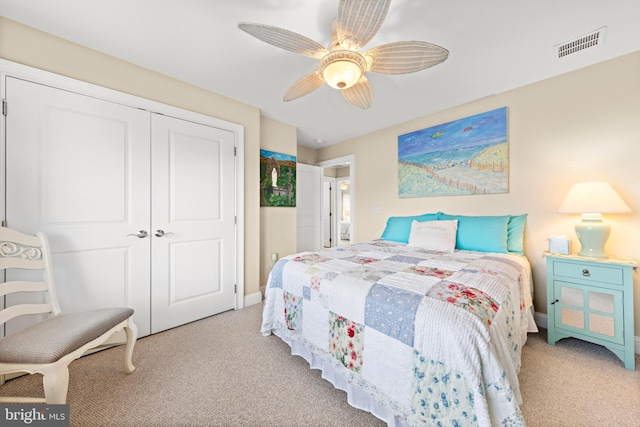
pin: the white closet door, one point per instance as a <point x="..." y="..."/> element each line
<point x="77" y="168"/>
<point x="193" y="263"/>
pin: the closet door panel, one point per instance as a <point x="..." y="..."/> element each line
<point x="78" y="146"/>
<point x="78" y="169"/>
<point x="107" y="289"/>
<point x="193" y="275"/>
<point x="193" y="263"/>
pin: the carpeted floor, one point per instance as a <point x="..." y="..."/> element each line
<point x="220" y="371"/>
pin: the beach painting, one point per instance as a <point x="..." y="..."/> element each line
<point x="462" y="157"/>
<point x="277" y="179"/>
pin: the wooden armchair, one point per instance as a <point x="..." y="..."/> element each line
<point x="49" y="346"/>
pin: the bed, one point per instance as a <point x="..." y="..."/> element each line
<point x="422" y="326"/>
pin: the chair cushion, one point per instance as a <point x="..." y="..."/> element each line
<point x="52" y="339"/>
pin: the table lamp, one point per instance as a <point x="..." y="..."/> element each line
<point x="592" y="199"/>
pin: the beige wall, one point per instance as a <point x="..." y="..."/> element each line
<point x="277" y="224"/>
<point x="306" y="155"/>
<point x="25" y="45"/>
<point x="581" y="126"/>
<point x="343" y="172"/>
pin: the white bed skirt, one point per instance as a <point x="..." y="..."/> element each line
<point x="355" y="396"/>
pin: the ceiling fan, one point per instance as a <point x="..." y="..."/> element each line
<point x="341" y="65"/>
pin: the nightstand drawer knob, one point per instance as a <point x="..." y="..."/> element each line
<point x="586" y="273"/>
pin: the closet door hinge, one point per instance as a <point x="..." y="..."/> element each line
<point x="235" y="151"/>
<point x="235" y="289"/>
<point x="4" y="107"/>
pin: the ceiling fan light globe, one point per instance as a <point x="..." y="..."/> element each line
<point x="341" y="69"/>
<point x="342" y="74"/>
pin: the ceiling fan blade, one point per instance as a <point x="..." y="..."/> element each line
<point x="359" y="21"/>
<point x="360" y="94"/>
<point x="284" y="39"/>
<point x="405" y="57"/>
<point x="304" y="86"/>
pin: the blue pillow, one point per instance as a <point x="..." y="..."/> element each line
<point x="399" y="227"/>
<point x="515" y="234"/>
<point x="481" y="233"/>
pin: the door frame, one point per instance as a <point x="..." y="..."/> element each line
<point x="19" y="71"/>
<point x="328" y="206"/>
<point x="351" y="161"/>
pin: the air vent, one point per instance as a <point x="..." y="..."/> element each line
<point x="587" y="41"/>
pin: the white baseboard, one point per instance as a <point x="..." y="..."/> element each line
<point x="541" y="321"/>
<point x="252" y="299"/>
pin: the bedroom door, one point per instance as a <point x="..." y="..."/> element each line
<point x="308" y="182"/>
<point x="193" y="231"/>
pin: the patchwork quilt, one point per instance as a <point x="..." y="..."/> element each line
<point x="433" y="337"/>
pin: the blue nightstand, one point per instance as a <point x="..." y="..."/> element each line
<point x="592" y="299"/>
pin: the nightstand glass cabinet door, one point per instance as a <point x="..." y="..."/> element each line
<point x="596" y="311"/>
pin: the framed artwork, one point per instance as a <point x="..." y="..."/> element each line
<point x="462" y="157"/>
<point x="277" y="179"/>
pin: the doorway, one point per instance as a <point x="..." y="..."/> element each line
<point x="343" y="208"/>
<point x="338" y="201"/>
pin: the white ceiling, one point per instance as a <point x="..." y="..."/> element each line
<point x="494" y="45"/>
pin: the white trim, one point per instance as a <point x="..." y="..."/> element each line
<point x="253" y="299"/>
<point x="337" y="161"/>
<point x="23" y="72"/>
<point x="332" y="223"/>
<point x="240" y="297"/>
<point x="8" y="68"/>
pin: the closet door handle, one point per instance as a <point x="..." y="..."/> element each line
<point x="141" y="234"/>
<point x="160" y="233"/>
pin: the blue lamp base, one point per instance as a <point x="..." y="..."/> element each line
<point x="593" y="234"/>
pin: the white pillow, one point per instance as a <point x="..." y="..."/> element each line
<point x="434" y="235"/>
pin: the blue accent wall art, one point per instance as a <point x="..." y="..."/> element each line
<point x="463" y="157"/>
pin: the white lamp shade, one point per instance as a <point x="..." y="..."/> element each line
<point x="593" y="197"/>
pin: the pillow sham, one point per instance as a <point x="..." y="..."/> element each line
<point x="481" y="233"/>
<point x="434" y="235"/>
<point x="399" y="227"/>
<point x="515" y="233"/>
